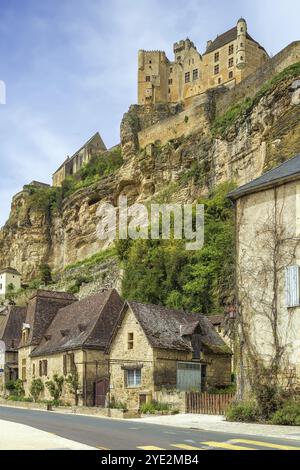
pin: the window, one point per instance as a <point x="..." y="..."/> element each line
<point x="217" y="56"/>
<point x="134" y="378"/>
<point x="65" y="369"/>
<point x="217" y="69"/>
<point x="292" y="286"/>
<point x="195" y="74"/>
<point x="148" y="78"/>
<point x="219" y="80"/>
<point x="43" y="368"/>
<point x="68" y="363"/>
<point x="130" y="340"/>
<point x="24" y="369"/>
<point x="242" y="44"/>
<point x="150" y="61"/>
<point x="170" y="81"/>
<point x="188" y="376"/>
<point x="231" y="49"/>
<point x="187" y="77"/>
<point x="230" y="75"/>
<point x="231" y="62"/>
<point x="33" y="370"/>
<point x="242" y="30"/>
<point x="171" y="69"/>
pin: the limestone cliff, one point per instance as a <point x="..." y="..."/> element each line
<point x="237" y="145"/>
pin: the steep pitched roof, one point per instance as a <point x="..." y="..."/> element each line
<point x="41" y="310"/>
<point x="11" y="328"/>
<point x="171" y="329"/>
<point x="226" y="38"/>
<point x="88" y="324"/>
<point x="287" y="171"/>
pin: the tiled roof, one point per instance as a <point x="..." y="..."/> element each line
<point x="227" y="38"/>
<point x="216" y="319"/>
<point x="41" y="310"/>
<point x="284" y="172"/>
<point x="88" y="324"/>
<point x="170" y="329"/>
<point x="10" y="271"/>
<point x="11" y="328"/>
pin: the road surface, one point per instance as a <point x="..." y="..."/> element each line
<point x="112" y="434"/>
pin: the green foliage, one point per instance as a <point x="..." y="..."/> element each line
<point x="100" y="166"/>
<point x="55" y="387"/>
<point x="44" y="199"/>
<point x="117" y="405"/>
<point x="224" y="122"/>
<point x="93" y="260"/>
<point x="164" y="272"/>
<point x="20" y="399"/>
<point x="15" y="387"/>
<point x="288" y="415"/>
<point x="45" y="274"/>
<point x="36" y="388"/>
<point x="72" y="382"/>
<point x="245" y="412"/>
<point x="153" y="407"/>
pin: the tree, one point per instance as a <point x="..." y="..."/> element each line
<point x="46" y="274"/>
<point x="36" y="388"/>
<point x="55" y="387"/>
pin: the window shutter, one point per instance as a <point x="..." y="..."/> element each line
<point x="292" y="286"/>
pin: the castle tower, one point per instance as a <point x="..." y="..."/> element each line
<point x="152" y="77"/>
<point x="241" y="43"/>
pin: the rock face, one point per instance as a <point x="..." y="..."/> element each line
<point x="180" y="171"/>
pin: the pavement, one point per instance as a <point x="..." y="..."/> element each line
<point x="15" y="436"/>
<point x="65" y="430"/>
<point x="219" y="424"/>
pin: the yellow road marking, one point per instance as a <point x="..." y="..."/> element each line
<point x="225" y="445"/>
<point x="265" y="444"/>
<point x="150" y="448"/>
<point x="185" y="447"/>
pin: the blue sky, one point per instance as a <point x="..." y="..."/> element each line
<point x="70" y="68"/>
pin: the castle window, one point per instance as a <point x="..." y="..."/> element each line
<point x="171" y="69"/>
<point x="217" y="57"/>
<point x="187" y="77"/>
<point x="231" y="62"/>
<point x="217" y="69"/>
<point x="242" y="44"/>
<point x="231" y="49"/>
<point x="195" y="74"/>
<point x="170" y="81"/>
<point x="150" y="61"/>
<point x="230" y="75"/>
<point x="219" y="80"/>
<point x="134" y="378"/>
<point x="148" y="78"/>
<point x="242" y="30"/>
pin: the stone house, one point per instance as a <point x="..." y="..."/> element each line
<point x="75" y="342"/>
<point x="9" y="279"/>
<point x="268" y="262"/>
<point x="72" y="165"/>
<point x="228" y="60"/>
<point x="154" y="348"/>
<point x="40" y="312"/>
<point x="10" y="336"/>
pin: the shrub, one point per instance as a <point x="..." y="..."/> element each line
<point x="55" y="387"/>
<point x="288" y="415"/>
<point x="20" y="399"/>
<point x="153" y="406"/>
<point x="245" y="412"/>
<point x="16" y="388"/>
<point x="36" y="388"/>
<point x="117" y="405"/>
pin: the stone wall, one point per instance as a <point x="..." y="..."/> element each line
<point x="251" y="85"/>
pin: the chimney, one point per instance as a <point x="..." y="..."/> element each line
<point x="209" y="43"/>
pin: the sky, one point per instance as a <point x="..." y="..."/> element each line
<point x="70" y="68"/>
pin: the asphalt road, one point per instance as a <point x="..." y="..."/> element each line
<point x="114" y="434"/>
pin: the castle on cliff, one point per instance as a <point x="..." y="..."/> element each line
<point x="228" y="60"/>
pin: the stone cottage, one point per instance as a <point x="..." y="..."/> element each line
<point x="74" y="345"/>
<point x="10" y="280"/>
<point x="155" y="348"/>
<point x="11" y="323"/>
<point x="268" y="263"/>
<point x="40" y="312"/>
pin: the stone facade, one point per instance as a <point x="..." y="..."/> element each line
<point x="227" y="61"/>
<point x="158" y="367"/>
<point x="268" y="254"/>
<point x="73" y="164"/>
<point x="9" y="278"/>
